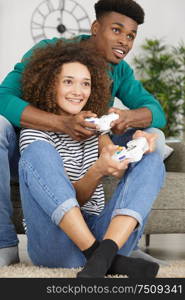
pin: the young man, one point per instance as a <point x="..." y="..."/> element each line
<point x="113" y="33"/>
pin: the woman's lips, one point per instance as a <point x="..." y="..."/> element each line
<point x="74" y="101"/>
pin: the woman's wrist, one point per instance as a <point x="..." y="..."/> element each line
<point x="97" y="170"/>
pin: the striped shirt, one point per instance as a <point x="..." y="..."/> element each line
<point x="77" y="157"/>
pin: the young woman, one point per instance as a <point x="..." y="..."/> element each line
<point x="66" y="218"/>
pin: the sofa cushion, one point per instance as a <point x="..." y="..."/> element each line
<point x="172" y="195"/>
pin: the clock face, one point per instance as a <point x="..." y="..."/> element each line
<point x="59" y="18"/>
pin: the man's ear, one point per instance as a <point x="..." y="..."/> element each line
<point x="94" y="27"/>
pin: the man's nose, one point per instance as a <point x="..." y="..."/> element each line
<point x="123" y="39"/>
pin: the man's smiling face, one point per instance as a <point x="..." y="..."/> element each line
<point x="114" y="35"/>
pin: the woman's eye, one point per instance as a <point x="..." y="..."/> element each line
<point x="87" y="83"/>
<point x="67" y="81"/>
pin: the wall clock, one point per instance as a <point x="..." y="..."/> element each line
<point x="59" y="18"/>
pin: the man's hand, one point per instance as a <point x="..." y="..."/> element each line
<point x="151" y="139"/>
<point x="73" y="125"/>
<point x="106" y="165"/>
<point x="140" y="117"/>
<point x="76" y="126"/>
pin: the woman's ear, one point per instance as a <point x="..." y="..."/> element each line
<point x="94" y="28"/>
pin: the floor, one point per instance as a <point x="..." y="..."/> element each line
<point x="162" y="246"/>
<point x="166" y="246"/>
<point x="24" y="258"/>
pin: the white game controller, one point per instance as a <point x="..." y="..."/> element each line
<point x="134" y="151"/>
<point x="104" y="121"/>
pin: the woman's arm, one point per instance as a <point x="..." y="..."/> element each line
<point x="104" y="165"/>
<point x="86" y="186"/>
<point x="104" y="140"/>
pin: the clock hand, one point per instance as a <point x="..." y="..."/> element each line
<point x="50" y="27"/>
<point x="80" y="30"/>
<point x="61" y="15"/>
<point x="62" y="28"/>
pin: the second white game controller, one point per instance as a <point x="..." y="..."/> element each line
<point x="134" y="151"/>
<point x="104" y="121"/>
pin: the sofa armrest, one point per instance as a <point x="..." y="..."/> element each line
<point x="176" y="161"/>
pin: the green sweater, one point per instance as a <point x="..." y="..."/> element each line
<point x="125" y="87"/>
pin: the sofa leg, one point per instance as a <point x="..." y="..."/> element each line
<point x="147" y="240"/>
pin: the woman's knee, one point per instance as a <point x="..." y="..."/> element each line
<point x="160" y="140"/>
<point x="156" y="165"/>
<point x="41" y="152"/>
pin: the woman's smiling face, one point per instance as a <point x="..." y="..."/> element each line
<point x="73" y="88"/>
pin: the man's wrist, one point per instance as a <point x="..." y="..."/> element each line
<point x="141" y="117"/>
<point x="35" y="118"/>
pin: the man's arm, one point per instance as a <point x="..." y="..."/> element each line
<point x="73" y="125"/>
<point x="136" y="118"/>
<point x="145" y="110"/>
<point x="11" y="103"/>
<point x="22" y="114"/>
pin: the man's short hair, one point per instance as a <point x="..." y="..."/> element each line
<point x="128" y="8"/>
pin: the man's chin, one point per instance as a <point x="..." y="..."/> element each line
<point x="114" y="60"/>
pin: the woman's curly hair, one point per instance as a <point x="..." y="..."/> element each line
<point x="41" y="74"/>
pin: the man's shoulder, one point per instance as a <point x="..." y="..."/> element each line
<point x="54" y="40"/>
<point x="121" y="69"/>
<point x="123" y="65"/>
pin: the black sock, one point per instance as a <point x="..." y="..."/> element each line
<point x="88" y="252"/>
<point x="123" y="265"/>
<point x="100" y="261"/>
<point x="133" y="267"/>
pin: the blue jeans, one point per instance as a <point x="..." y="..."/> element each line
<point x="9" y="155"/>
<point x="47" y="194"/>
<point x="123" y="139"/>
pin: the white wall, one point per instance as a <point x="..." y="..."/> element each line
<point x="164" y="18"/>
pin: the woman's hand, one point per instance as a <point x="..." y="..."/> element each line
<point x="151" y="139"/>
<point x="106" y="165"/>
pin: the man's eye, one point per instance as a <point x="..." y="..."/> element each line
<point x="116" y="30"/>
<point x="130" y="37"/>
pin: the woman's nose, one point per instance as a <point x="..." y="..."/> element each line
<point x="76" y="89"/>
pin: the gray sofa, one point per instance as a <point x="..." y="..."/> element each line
<point x="168" y="213"/>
